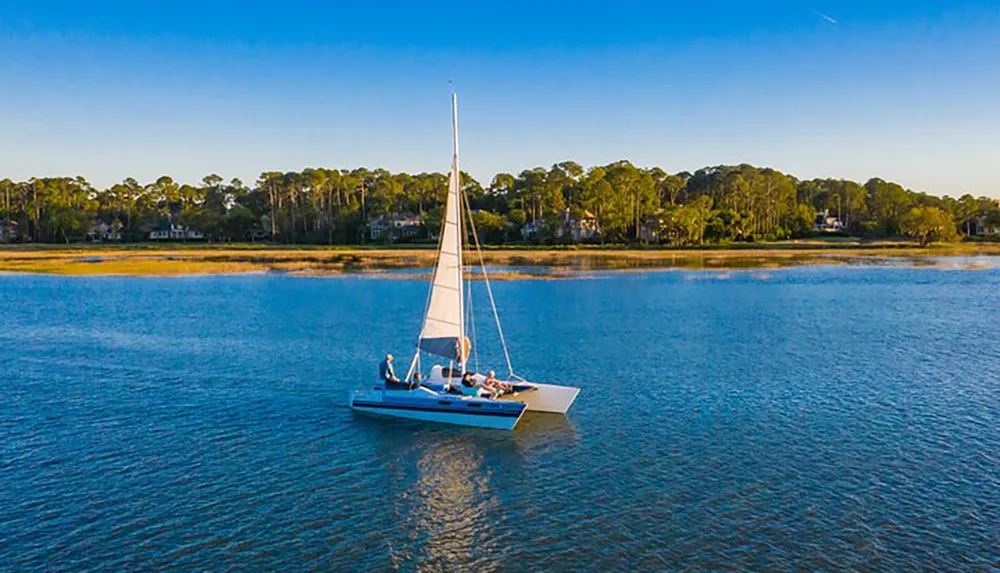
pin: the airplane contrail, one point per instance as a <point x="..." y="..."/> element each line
<point x="825" y="17"/>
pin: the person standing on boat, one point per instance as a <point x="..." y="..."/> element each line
<point x="385" y="370"/>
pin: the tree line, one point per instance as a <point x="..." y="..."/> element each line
<point x="629" y="204"/>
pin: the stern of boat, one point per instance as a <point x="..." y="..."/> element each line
<point x="548" y="398"/>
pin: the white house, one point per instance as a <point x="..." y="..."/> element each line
<point x="396" y="227"/>
<point x="171" y="231"/>
<point x="582" y="228"/>
<point x="8" y="230"/>
<point x="530" y="230"/>
<point x="825" y="223"/>
<point x="650" y="225"/>
<point x="104" y="232"/>
<point x="984" y="230"/>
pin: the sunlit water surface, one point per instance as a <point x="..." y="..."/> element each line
<point x="820" y="418"/>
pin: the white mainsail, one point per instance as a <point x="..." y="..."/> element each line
<point x="444" y="324"/>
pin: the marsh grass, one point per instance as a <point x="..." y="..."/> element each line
<point x="175" y="259"/>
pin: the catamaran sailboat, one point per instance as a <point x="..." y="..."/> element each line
<point x="439" y="397"/>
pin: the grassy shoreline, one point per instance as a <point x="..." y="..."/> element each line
<point x="145" y="259"/>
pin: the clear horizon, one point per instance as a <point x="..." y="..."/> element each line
<point x="902" y="91"/>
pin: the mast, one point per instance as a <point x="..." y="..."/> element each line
<point x="456" y="179"/>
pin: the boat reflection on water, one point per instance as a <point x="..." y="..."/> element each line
<point x="539" y="430"/>
<point x="444" y="496"/>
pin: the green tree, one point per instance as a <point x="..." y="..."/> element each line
<point x="967" y="212"/>
<point x="929" y="224"/>
<point x="800" y="222"/>
<point x="671" y="188"/>
<point x="887" y="202"/>
<point x="685" y="224"/>
<point x="490" y="227"/>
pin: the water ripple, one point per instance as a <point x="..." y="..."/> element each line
<point x="822" y="419"/>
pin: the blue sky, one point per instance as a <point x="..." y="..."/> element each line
<point x="903" y="90"/>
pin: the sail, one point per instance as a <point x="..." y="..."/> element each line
<point x="444" y="322"/>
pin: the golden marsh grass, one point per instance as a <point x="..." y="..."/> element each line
<point x="176" y="260"/>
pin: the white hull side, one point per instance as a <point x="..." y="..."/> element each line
<point x="547" y="398"/>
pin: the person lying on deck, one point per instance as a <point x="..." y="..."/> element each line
<point x="491" y="383"/>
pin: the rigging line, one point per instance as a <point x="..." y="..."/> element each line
<point x="461" y="294"/>
<point x="414" y="364"/>
<point x="489" y="290"/>
<point x="472" y="321"/>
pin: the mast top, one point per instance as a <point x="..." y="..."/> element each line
<point x="454" y="124"/>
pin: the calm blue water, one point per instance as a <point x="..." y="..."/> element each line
<point x="824" y="418"/>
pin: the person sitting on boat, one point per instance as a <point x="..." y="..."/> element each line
<point x="388" y="376"/>
<point x="385" y="371"/>
<point x="491" y="383"/>
<point x="470" y="387"/>
<point x="418" y="381"/>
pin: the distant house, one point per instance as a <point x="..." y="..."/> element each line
<point x="8" y="231"/>
<point x="530" y="230"/>
<point x="578" y="228"/>
<point x="395" y="227"/>
<point x="101" y="231"/>
<point x="170" y="231"/>
<point x="983" y="230"/>
<point x="649" y="228"/>
<point x="825" y="223"/>
<point x="408" y="226"/>
<point x="379" y="229"/>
